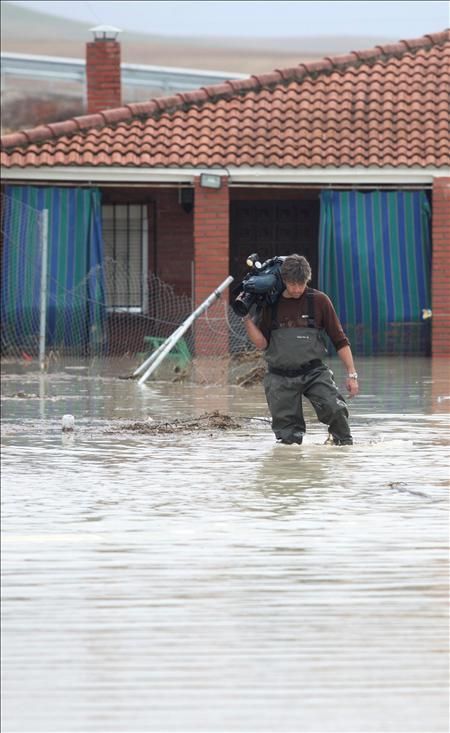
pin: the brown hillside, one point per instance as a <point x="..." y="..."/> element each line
<point x="27" y="31"/>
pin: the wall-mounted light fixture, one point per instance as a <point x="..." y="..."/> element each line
<point x="209" y="180"/>
<point x="105" y="32"/>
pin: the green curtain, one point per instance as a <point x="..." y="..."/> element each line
<point x="75" y="284"/>
<point x="374" y="263"/>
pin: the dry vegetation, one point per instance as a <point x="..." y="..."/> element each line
<point x="207" y="422"/>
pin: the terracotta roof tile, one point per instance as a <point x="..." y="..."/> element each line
<point x="117" y="115"/>
<point x="88" y="121"/>
<point x="385" y="106"/>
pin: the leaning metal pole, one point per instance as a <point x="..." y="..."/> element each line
<point x="155" y="359"/>
<point x="154" y="355"/>
<point x="44" y="278"/>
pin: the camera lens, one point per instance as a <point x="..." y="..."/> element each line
<point x="242" y="304"/>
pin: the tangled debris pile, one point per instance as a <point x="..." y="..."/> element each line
<point x="254" y="376"/>
<point x="248" y="368"/>
<point x="209" y="421"/>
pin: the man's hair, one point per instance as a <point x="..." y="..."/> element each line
<point x="296" y="269"/>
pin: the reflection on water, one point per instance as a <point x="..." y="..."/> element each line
<point x="220" y="582"/>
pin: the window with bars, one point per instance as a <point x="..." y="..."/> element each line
<point x="125" y="237"/>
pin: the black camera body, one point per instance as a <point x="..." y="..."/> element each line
<point x="263" y="284"/>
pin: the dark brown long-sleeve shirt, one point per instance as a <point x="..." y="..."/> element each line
<point x="291" y="310"/>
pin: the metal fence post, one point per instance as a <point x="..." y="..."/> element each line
<point x="43" y="298"/>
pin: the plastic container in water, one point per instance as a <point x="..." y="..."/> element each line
<point x="68" y="423"/>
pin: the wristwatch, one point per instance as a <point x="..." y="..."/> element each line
<point x="353" y="375"/>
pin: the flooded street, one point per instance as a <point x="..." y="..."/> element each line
<point x="217" y="582"/>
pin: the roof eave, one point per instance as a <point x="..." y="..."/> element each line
<point x="236" y="176"/>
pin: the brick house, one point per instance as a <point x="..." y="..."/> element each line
<point x="206" y="177"/>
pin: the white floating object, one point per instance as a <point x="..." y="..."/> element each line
<point x="68" y="423"/>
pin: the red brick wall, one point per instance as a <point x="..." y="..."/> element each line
<point x="103" y="75"/>
<point x="175" y="245"/>
<point x="211" y="256"/>
<point x="441" y="267"/>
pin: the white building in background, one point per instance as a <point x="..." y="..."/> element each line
<point x="56" y="75"/>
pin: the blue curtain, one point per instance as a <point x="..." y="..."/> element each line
<point x="374" y="263"/>
<point x="75" y="282"/>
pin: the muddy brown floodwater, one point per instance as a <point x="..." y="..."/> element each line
<point x="213" y="581"/>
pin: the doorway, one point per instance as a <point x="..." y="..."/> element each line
<point x="273" y="228"/>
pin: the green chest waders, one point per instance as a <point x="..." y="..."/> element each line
<point x="290" y="348"/>
<point x="295" y="368"/>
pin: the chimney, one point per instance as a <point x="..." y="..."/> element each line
<point x="103" y="70"/>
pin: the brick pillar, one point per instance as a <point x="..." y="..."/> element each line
<point x="441" y="268"/>
<point x="211" y="265"/>
<point x="103" y="75"/>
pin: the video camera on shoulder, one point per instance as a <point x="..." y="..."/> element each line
<point x="262" y="285"/>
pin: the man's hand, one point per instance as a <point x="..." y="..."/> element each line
<point x="345" y="355"/>
<point x="352" y="386"/>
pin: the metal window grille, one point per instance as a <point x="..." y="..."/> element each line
<point x="125" y="237"/>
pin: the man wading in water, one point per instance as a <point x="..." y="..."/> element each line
<point x="290" y="333"/>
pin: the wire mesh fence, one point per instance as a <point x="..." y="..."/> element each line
<point x="81" y="321"/>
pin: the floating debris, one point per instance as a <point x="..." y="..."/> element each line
<point x="403" y="488"/>
<point x="208" y="421"/>
<point x="22" y="396"/>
